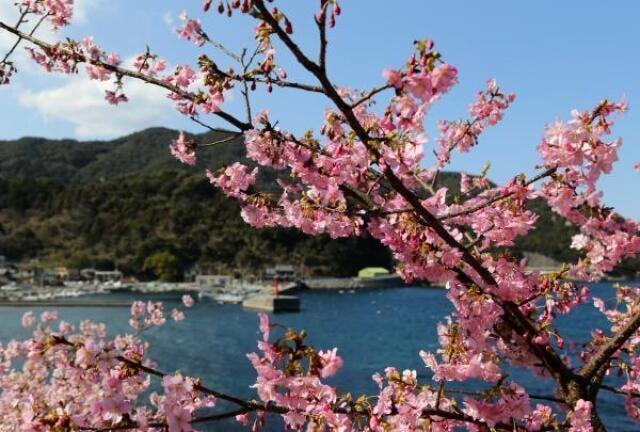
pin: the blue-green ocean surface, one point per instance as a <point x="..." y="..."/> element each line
<point x="372" y="329"/>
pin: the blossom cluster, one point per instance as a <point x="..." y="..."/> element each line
<point x="58" y="12"/>
<point x="487" y="110"/>
<point x="68" y="377"/>
<point x="580" y="153"/>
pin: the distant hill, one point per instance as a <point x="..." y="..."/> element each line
<point x="82" y="162"/>
<point x="121" y="201"/>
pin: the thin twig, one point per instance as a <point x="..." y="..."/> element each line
<point x="371" y="94"/>
<point x="479" y="394"/>
<point x="20" y="38"/>
<point x="221" y="141"/>
<point x="245" y="87"/>
<point x="203" y="124"/>
<point x="221" y="47"/>
<point x="497" y="198"/>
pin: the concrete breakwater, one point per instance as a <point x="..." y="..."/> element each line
<point x="270" y="303"/>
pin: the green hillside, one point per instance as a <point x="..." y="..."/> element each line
<point x="120" y="202"/>
<point x="70" y="161"/>
<point x="128" y="219"/>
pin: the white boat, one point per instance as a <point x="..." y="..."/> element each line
<point x="228" y="298"/>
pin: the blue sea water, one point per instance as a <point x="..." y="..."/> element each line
<point x="372" y="329"/>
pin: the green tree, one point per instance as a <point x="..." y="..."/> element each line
<point x="164" y="265"/>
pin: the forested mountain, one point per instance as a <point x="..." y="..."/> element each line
<point x="122" y="201"/>
<point x="70" y="161"/>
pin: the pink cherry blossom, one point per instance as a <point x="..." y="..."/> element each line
<point x="187" y="301"/>
<point x="28" y="319"/>
<point x="331" y="363"/>
<point x="176" y="315"/>
<point x="115" y="98"/>
<point x="48" y="316"/>
<point x="183" y="150"/>
<point x="234" y="180"/>
<point x="580" y="420"/>
<point x="191" y="30"/>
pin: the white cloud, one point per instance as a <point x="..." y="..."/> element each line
<point x="81" y="10"/>
<point x="80" y="102"/>
<point x="168" y="19"/>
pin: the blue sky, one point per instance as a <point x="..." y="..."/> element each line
<point x="555" y="56"/>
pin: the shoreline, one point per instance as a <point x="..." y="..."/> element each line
<point x="52" y="303"/>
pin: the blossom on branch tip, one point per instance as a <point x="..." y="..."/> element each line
<point x="234" y="180"/>
<point x="183" y="149"/>
<point x="191" y="29"/>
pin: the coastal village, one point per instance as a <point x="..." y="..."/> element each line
<point x="272" y="290"/>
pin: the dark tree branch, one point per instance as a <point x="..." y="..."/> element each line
<point x="322" y="30"/>
<point x="604" y="354"/>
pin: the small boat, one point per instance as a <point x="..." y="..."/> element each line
<point x="229" y="298"/>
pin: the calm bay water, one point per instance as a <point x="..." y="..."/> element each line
<point x="372" y="329"/>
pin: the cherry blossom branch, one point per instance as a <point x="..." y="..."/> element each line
<point x="197" y="420"/>
<point x="20" y="38"/>
<point x="513" y="316"/>
<point x="245" y="86"/>
<point x="201" y="388"/>
<point x="604" y="354"/>
<point x="221" y="47"/>
<point x="455" y="143"/>
<point x="204" y="125"/>
<point x="278" y="81"/>
<point x="618" y="391"/>
<point x="245" y="65"/>
<point x="129" y="73"/>
<point x="497" y="198"/>
<point x="482" y="205"/>
<point x="17" y="42"/>
<point x="371" y="94"/>
<point x="321" y="21"/>
<point x="251" y="405"/>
